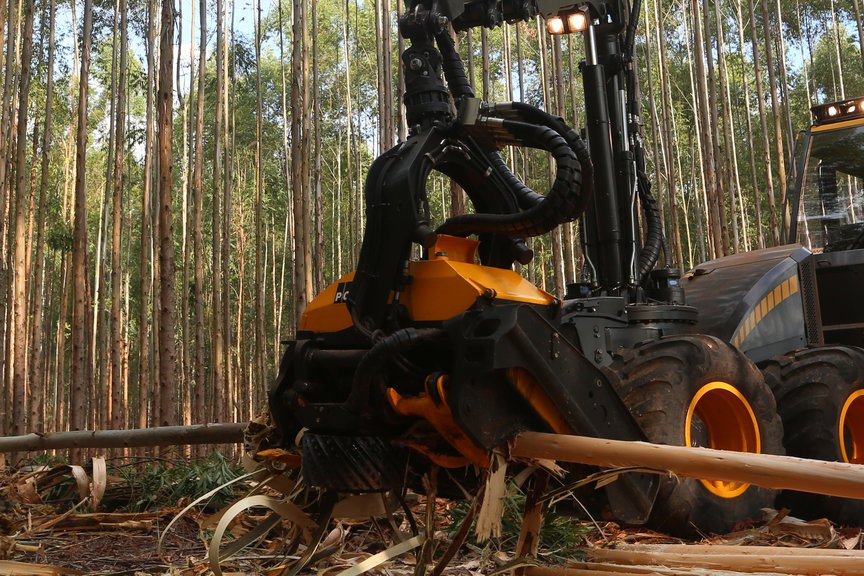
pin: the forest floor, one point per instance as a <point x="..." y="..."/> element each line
<point x="43" y="530"/>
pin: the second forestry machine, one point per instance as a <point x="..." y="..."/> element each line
<point x="408" y="362"/>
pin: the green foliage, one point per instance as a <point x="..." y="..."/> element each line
<point x="168" y="483"/>
<point x="560" y="535"/>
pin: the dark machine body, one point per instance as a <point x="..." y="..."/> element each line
<point x="410" y="362"/>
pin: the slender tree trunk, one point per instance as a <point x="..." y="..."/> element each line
<point x="566" y="230"/>
<point x="199" y="393"/>
<point x="7" y="335"/>
<point x="298" y="159"/>
<point x="37" y="352"/>
<point x="319" y="282"/>
<point x="728" y="137"/>
<point x="288" y="243"/>
<point x="19" y="378"/>
<point x="228" y="134"/>
<point x="766" y="147"/>
<point x="145" y="374"/>
<point x="751" y="149"/>
<point x="709" y="173"/>
<point x="117" y="416"/>
<point x="775" y="112"/>
<point x="167" y="354"/>
<point x="259" y="195"/>
<point x="668" y="120"/>
<point x="217" y="355"/>
<point x="79" y="383"/>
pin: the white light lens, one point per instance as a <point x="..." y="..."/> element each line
<point x="832" y="111"/>
<point x="851" y="109"/>
<point x="577" y="22"/>
<point x="555" y="25"/>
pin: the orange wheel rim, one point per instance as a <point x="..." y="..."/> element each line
<point x="719" y="417"/>
<point x="852" y="428"/>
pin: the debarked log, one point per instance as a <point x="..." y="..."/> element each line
<point x="227" y="433"/>
<point x="768" y="470"/>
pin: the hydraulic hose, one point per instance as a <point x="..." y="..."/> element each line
<point x="454" y="70"/>
<point x="540" y="214"/>
<point x="562" y="204"/>
<point x="384" y="349"/>
<point x="653" y="245"/>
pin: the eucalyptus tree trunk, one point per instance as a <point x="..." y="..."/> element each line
<point x="217" y="354"/>
<point x="699" y="202"/>
<point x="259" y="196"/>
<point x="302" y="295"/>
<point x="763" y="124"/>
<point x="37" y="350"/>
<point x="199" y="393"/>
<point x="566" y="230"/>
<point x="167" y="352"/>
<point x="731" y="170"/>
<point x="116" y="398"/>
<point x="354" y="231"/>
<point x="6" y="331"/>
<point x="715" y="226"/>
<point x="784" y="81"/>
<point x="288" y="236"/>
<point x="546" y="74"/>
<point x="80" y="304"/>
<point x="145" y="374"/>
<point x="318" y="219"/>
<point x="19" y="378"/>
<point x="775" y="112"/>
<point x="751" y="149"/>
<point x="486" y="81"/>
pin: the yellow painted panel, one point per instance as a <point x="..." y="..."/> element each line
<point x="325" y="313"/>
<point x="442" y="288"/>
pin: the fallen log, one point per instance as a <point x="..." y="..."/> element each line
<point x="771" y="471"/>
<point x="814" y="563"/>
<point x="229" y="433"/>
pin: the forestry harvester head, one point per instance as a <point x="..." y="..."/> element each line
<point x="437" y="360"/>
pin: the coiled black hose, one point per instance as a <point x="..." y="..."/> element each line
<point x="540" y="214"/>
<point x="561" y="204"/>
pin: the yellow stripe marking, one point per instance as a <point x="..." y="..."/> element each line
<point x="770" y="301"/>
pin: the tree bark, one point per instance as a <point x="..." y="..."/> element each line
<point x="217" y="355"/>
<point x="775" y="112"/>
<point x="199" y="391"/>
<point x="227" y="433"/>
<point x="763" y="122"/>
<point x="19" y="378"/>
<point x="768" y="470"/>
<point x="259" y="196"/>
<point x="117" y="406"/>
<point x="145" y="377"/>
<point x="80" y="304"/>
<point x="37" y="353"/>
<point x="751" y="149"/>
<point x="302" y="295"/>
<point x="167" y="353"/>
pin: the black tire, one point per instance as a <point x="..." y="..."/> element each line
<point x="811" y="387"/>
<point x="659" y="381"/>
